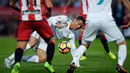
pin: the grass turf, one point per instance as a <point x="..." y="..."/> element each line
<point x="97" y="61"/>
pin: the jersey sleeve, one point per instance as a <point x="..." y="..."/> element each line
<point x="52" y="21"/>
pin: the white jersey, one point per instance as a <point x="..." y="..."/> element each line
<point x="96" y="10"/>
<point x="65" y="21"/>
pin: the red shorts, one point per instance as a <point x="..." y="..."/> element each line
<point x="27" y="27"/>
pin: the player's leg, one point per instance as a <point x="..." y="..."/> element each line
<point x="40" y="57"/>
<point x="80" y="40"/>
<point x="23" y="36"/>
<point x="71" y="40"/>
<point x="88" y="36"/>
<point x="112" y="33"/>
<point x="47" y="34"/>
<point x="8" y="62"/>
<point x="105" y="45"/>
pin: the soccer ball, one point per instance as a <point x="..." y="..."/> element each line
<point x="64" y="47"/>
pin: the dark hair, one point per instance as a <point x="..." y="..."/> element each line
<point x="81" y="18"/>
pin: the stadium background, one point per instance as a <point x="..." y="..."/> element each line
<point x="97" y="61"/>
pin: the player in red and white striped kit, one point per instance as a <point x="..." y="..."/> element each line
<point x="33" y="14"/>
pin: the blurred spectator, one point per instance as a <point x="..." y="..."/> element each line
<point x="118" y="12"/>
<point x="4" y="2"/>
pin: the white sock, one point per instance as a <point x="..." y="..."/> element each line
<point x="11" y="57"/>
<point x="122" y="54"/>
<point x="73" y="52"/>
<point x="31" y="59"/>
<point x="78" y="53"/>
<point x="27" y="47"/>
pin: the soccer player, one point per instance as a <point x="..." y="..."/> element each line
<point x="102" y="38"/>
<point x="40" y="46"/>
<point x="98" y="16"/>
<point x="33" y="15"/>
<point x="103" y="41"/>
<point x="62" y="26"/>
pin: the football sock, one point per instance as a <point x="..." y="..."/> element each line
<point x="105" y="44"/>
<point x="33" y="58"/>
<point x="85" y="51"/>
<point x="18" y="54"/>
<point x="122" y="54"/>
<point x="50" y="52"/>
<point x="80" y="42"/>
<point x="78" y="53"/>
<point x="27" y="47"/>
<point x="11" y="57"/>
<point x="73" y="47"/>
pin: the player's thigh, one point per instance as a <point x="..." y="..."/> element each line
<point x="41" y="51"/>
<point x="42" y="44"/>
<point x="35" y="34"/>
<point x="111" y="31"/>
<point x="44" y="30"/>
<point x="90" y="32"/>
<point x="24" y="31"/>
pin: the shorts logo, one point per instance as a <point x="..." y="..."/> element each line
<point x="100" y="2"/>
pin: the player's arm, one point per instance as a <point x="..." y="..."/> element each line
<point x="68" y="4"/>
<point x="49" y="6"/>
<point x="12" y="4"/>
<point x="125" y="26"/>
<point x="127" y="4"/>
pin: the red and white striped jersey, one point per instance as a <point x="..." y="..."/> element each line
<point x="32" y="10"/>
<point x="96" y="10"/>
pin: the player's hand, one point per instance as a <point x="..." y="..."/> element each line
<point x="14" y="7"/>
<point x="123" y="27"/>
<point x="48" y="13"/>
<point x="64" y="10"/>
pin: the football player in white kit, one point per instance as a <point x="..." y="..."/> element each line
<point x="98" y="16"/>
<point x="62" y="27"/>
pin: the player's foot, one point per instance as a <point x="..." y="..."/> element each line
<point x="112" y="56"/>
<point x="8" y="63"/>
<point x="83" y="58"/>
<point x="16" y="68"/>
<point x="71" y="68"/>
<point x="120" y="69"/>
<point x="49" y="67"/>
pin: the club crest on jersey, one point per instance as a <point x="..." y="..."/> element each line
<point x="100" y="2"/>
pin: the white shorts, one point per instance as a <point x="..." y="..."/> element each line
<point x="107" y="27"/>
<point x="41" y="44"/>
<point x="35" y="34"/>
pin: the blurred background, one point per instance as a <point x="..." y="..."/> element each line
<point x="9" y="18"/>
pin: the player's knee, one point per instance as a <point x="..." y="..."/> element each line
<point x="42" y="59"/>
<point x="52" y="40"/>
<point x="120" y="41"/>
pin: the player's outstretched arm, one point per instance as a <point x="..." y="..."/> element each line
<point x="12" y="4"/>
<point x="127" y="4"/>
<point x="68" y="4"/>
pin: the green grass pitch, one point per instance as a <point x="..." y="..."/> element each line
<point x="97" y="61"/>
